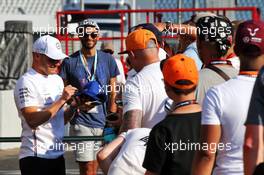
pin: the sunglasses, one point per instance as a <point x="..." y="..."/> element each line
<point x="86" y="35"/>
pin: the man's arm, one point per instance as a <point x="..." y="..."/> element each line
<point x="204" y="159"/>
<point x="253" y="143"/>
<point x="112" y="104"/>
<point x="35" y="116"/>
<point x="253" y="148"/>
<point x="109" y="152"/>
<point x="131" y="119"/>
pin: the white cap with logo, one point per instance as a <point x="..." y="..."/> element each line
<point x="50" y="47"/>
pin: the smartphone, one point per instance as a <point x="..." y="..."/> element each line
<point x="95" y="103"/>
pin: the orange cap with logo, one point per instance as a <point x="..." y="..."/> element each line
<point x="180" y="67"/>
<point x="138" y="40"/>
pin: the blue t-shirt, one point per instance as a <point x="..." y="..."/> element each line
<point x="74" y="72"/>
<point x="191" y="51"/>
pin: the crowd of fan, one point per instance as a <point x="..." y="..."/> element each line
<point x="198" y="111"/>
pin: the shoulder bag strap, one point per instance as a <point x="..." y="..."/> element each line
<point x="219" y="72"/>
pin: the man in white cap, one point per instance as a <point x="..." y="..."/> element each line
<point x="40" y="98"/>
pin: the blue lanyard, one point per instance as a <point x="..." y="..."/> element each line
<point x="85" y="65"/>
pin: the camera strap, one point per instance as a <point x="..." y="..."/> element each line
<point x="90" y="75"/>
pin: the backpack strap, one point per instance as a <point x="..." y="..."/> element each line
<point x="218" y="71"/>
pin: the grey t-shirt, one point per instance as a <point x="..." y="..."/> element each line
<point x="256" y="108"/>
<point x="209" y="78"/>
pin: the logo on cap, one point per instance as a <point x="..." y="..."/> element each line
<point x="246" y="39"/>
<point x="254" y="32"/>
<point x="58" y="46"/>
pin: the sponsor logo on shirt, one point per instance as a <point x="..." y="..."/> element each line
<point x="23" y="94"/>
<point x="145" y="140"/>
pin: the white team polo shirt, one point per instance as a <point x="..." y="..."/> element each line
<point x="227" y="105"/>
<point x="34" y="89"/>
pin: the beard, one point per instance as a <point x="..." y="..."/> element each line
<point x="88" y="45"/>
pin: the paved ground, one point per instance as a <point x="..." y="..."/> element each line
<point x="9" y="163"/>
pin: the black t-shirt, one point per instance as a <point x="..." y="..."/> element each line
<point x="171" y="144"/>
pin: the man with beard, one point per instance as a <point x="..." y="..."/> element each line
<point x="89" y="65"/>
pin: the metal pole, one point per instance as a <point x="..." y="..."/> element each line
<point x="147" y="17"/>
<point x="122" y="37"/>
<point x="179" y="13"/>
<point x="133" y="14"/>
<point x="82" y="5"/>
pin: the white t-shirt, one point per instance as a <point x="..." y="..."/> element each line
<point x="145" y="91"/>
<point x="235" y="61"/>
<point x="162" y="54"/>
<point x="34" y="89"/>
<point x="227" y="105"/>
<point x="131" y="155"/>
<point x="131" y="73"/>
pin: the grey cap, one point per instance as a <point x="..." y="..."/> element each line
<point x="87" y="23"/>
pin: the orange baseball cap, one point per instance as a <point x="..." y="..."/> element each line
<point x="138" y="39"/>
<point x="180" y="67"/>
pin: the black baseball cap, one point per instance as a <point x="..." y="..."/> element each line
<point x="151" y="27"/>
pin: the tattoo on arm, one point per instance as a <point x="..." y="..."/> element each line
<point x="131" y="119"/>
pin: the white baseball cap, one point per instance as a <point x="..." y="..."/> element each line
<point x="50" y="47"/>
